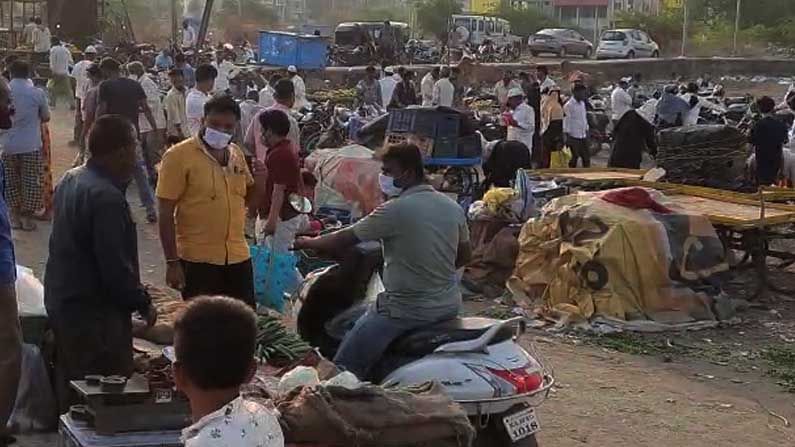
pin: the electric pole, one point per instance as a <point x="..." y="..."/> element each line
<point x="685" y="19"/>
<point x="736" y="27"/>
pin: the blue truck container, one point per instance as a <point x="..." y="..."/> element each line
<point x="285" y="49"/>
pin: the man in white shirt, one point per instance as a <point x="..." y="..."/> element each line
<point x="188" y="36"/>
<point x="300" y="88"/>
<point x="696" y="103"/>
<point x="426" y="86"/>
<point x="544" y="81"/>
<point x="520" y="119"/>
<point x="151" y="139"/>
<point x="388" y="84"/>
<point x="59" y="84"/>
<point x="503" y="87"/>
<point x="575" y="127"/>
<point x="176" y="119"/>
<point x="198" y="96"/>
<point x="226" y="71"/>
<point x="266" y="93"/>
<point x="27" y="32"/>
<point x="620" y="101"/>
<point x="82" y="83"/>
<point x="41" y="40"/>
<point x="443" y="89"/>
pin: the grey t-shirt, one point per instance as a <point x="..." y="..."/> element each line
<point x="420" y="231"/>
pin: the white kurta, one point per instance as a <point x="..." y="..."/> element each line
<point x="525" y="117"/>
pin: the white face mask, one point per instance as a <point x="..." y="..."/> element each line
<point x="387" y="185"/>
<point x="216" y="139"/>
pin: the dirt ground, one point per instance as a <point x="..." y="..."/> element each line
<point x="708" y="388"/>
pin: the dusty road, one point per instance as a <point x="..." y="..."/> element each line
<point x="603" y="398"/>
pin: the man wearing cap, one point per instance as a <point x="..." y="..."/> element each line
<point x="388" y="84"/>
<point x="503" y="87"/>
<point x="620" y="100"/>
<point x="82" y="83"/>
<point x="300" y="88"/>
<point x="520" y="119"/>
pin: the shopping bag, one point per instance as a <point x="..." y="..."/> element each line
<point x="274" y="275"/>
<point x="560" y="159"/>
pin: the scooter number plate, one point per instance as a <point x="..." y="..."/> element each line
<point x="522" y="424"/>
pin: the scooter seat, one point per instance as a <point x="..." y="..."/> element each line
<point x="425" y="340"/>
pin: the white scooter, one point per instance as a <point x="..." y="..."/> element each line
<point x="478" y="361"/>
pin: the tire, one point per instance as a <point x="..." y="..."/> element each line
<point x="588" y="53"/>
<point x="655" y="54"/>
<point x="562" y="52"/>
<point x="631" y="54"/>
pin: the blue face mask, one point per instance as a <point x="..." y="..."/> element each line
<point x="387" y="184"/>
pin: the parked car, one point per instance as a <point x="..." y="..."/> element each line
<point x="559" y="41"/>
<point x="626" y="44"/>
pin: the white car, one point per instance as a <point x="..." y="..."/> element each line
<point x="626" y="44"/>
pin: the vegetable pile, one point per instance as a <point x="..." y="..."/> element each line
<point x="276" y="344"/>
<point x="347" y="95"/>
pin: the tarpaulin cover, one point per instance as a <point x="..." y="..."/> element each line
<point x="594" y="258"/>
<point x="347" y="179"/>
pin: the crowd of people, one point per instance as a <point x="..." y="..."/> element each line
<point x="204" y="163"/>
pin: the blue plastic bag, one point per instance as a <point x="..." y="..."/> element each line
<point x="274" y="275"/>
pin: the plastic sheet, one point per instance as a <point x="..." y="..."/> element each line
<point x="30" y="293"/>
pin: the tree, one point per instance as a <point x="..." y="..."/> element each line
<point x="524" y="21"/>
<point x="433" y="16"/>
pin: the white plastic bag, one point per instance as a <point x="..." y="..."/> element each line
<point x="35" y="408"/>
<point x="30" y="294"/>
<point x="298" y="376"/>
<point x="345" y="379"/>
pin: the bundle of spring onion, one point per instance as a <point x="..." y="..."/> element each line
<point x="276" y="344"/>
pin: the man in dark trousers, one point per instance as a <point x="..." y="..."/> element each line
<point x="633" y="134"/>
<point x="92" y="282"/>
<point x="768" y="138"/>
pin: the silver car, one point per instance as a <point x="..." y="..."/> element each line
<point x="626" y="44"/>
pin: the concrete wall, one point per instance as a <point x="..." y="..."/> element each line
<point x="600" y="71"/>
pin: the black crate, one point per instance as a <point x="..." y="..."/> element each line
<point x="445" y="147"/>
<point x="470" y="147"/>
<point x="423" y="122"/>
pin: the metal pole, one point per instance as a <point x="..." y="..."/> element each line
<point x="684" y="27"/>
<point x="736" y="27"/>
<point x="174" y="26"/>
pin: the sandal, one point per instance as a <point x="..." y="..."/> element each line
<point x="16" y="222"/>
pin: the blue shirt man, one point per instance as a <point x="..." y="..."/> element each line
<point x="163" y="61"/>
<point x="30" y="110"/>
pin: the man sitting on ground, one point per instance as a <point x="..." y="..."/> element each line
<point x="214" y="341"/>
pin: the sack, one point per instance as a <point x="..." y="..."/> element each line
<point x="35" y="408"/>
<point x="274" y="275"/>
<point x="560" y="159"/>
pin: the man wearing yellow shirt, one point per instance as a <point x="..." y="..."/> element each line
<point x="205" y="184"/>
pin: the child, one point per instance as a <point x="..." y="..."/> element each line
<point x="214" y="340"/>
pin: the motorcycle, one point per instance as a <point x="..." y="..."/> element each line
<point x="477" y="360"/>
<point x="416" y="52"/>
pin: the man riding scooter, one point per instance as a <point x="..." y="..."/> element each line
<point x="425" y="240"/>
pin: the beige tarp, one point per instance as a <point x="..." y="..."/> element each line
<point x="588" y="257"/>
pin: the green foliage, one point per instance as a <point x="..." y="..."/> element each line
<point x="253" y="11"/>
<point x="664" y="28"/>
<point x="433" y="16"/>
<point x="379" y="14"/>
<point x="524" y="21"/>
